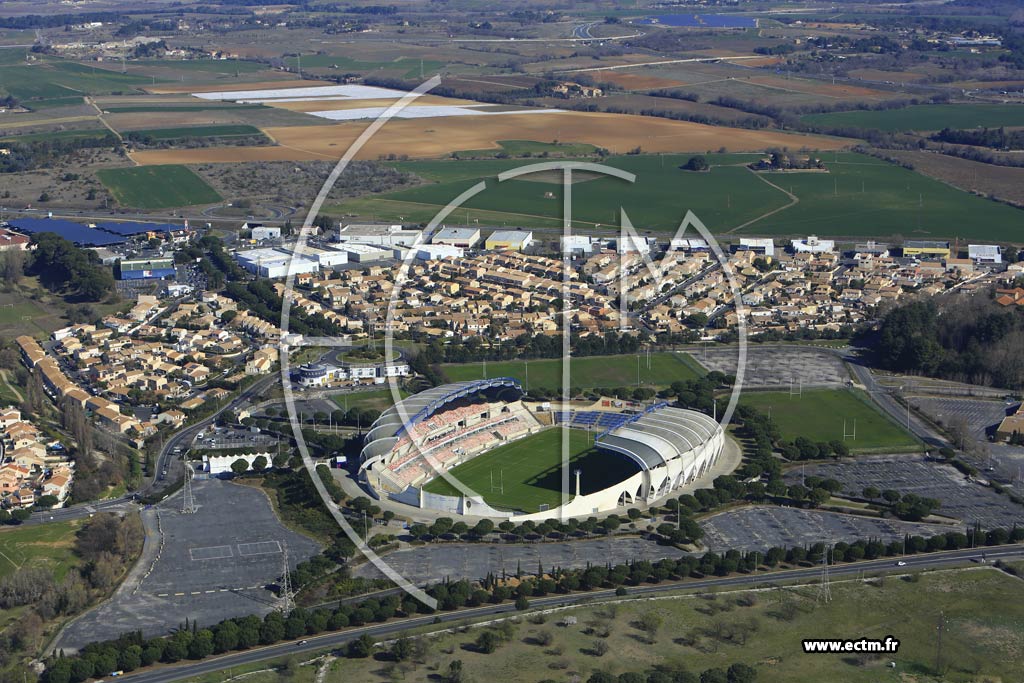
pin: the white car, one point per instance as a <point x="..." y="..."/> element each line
<point x="901" y="563"/>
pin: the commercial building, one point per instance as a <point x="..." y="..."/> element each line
<point x="365" y="253"/>
<point x="146" y="269"/>
<point x="985" y="253"/>
<point x="264" y="232"/>
<point x="434" y="252"/>
<point x="327" y="258"/>
<point x="466" y="238"/>
<point x="581" y="245"/>
<point x="927" y="248"/>
<point x="274" y="263"/>
<point x="380" y="235"/>
<point x="509" y="240"/>
<point x="764" y="246"/>
<point x="813" y="245"/>
<point x="319" y="375"/>
<point x="635" y="244"/>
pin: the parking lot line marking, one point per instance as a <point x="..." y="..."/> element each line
<point x="162" y="595"/>
<point x="179" y="593"/>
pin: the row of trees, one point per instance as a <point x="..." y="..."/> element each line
<point x="132" y="651"/>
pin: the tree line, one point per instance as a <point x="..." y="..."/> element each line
<point x="190" y="642"/>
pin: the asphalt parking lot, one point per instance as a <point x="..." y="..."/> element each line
<point x="961" y="499"/>
<point x="766" y="526"/>
<point x="777" y="367"/>
<point x="233" y="438"/>
<point x="426" y="564"/>
<point x="207" y="566"/>
<point x="981" y="416"/>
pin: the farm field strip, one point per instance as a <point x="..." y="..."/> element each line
<point x="286" y="94"/>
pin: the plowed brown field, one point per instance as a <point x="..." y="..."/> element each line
<point x="435" y="137"/>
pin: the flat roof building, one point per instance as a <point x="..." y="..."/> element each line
<point x="465" y="238"/>
<point x="985" y="253"/>
<point x="327" y="258"/>
<point x="380" y="235"/>
<point x="359" y="252"/>
<point x="764" y="246"/>
<point x="435" y="252"/>
<point x="813" y="245"/>
<point x="274" y="263"/>
<point x="509" y="240"/>
<point x="933" y="248"/>
<point x="577" y="244"/>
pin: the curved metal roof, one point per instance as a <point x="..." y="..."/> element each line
<point x="660" y="434"/>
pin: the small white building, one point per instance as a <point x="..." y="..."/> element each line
<point x="264" y="232"/>
<point x="466" y="238"/>
<point x="985" y="253"/>
<point x="813" y="245"/>
<point x="221" y="464"/>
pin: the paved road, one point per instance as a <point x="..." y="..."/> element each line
<point x="383" y="631"/>
<point x="180" y="439"/>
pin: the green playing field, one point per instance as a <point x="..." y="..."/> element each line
<point x="526" y="474"/>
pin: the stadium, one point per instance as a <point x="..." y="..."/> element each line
<point x="506" y="453"/>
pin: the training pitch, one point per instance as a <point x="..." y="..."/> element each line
<point x="626" y="370"/>
<point x="526" y="474"/>
<point x="819" y="415"/>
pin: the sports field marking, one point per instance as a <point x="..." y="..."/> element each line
<point x="217" y="552"/>
<point x="259" y="548"/>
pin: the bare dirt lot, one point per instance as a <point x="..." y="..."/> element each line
<point x="635" y="81"/>
<point x="435" y="137"/>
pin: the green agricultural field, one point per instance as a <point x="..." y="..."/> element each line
<point x="157" y="187"/>
<point x="517" y="148"/>
<point x="528" y="473"/>
<point x="818" y="414"/>
<point x="586" y="373"/>
<point x="49" y="78"/>
<point x="859" y="196"/>
<point x="48" y="546"/>
<point x="925" y="117"/>
<point x="185" y="132"/>
<point x="86" y="134"/>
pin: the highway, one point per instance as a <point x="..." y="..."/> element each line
<point x="950" y="558"/>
